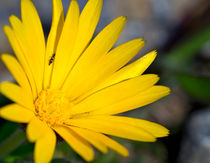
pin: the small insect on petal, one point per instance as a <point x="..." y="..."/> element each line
<point x="52" y="59"/>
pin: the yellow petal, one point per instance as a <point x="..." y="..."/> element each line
<point x="16" y="113"/>
<point x="100" y="138"/>
<point x="35" y="37"/>
<point x="110" y="63"/>
<point x="98" y="48"/>
<point x="143" y="98"/>
<point x="89" y="136"/>
<point x="17" y="71"/>
<point x="25" y="44"/>
<point x="36" y="129"/>
<point x="152" y="128"/>
<point x="87" y="24"/>
<point x="21" y="58"/>
<point x="31" y="20"/>
<point x="45" y="147"/>
<point x="112" y="127"/>
<point x="65" y="45"/>
<point x="17" y="94"/>
<point x="76" y="142"/>
<point x="113" y="145"/>
<point x="132" y="70"/>
<point x="53" y="38"/>
<point x="115" y="94"/>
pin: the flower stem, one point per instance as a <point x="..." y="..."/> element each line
<point x="12" y="142"/>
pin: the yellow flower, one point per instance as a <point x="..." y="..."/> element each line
<point x="74" y="86"/>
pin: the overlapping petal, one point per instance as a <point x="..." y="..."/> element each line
<point x="115" y="94"/>
<point x="143" y="98"/>
<point x="96" y="137"/>
<point x="97" y="49"/>
<point x="88" y="21"/>
<point x="16" y="113"/>
<point x="44" y="147"/>
<point x="34" y="40"/>
<point x="123" y="130"/>
<point x="16" y="94"/>
<point x="109" y="64"/>
<point x="65" y="46"/>
<point x="80" y="145"/>
<point x="52" y="41"/>
<point x="130" y="71"/>
<point x="36" y="129"/>
<point x="89" y="136"/>
<point x="153" y="128"/>
<point x="17" y="71"/>
<point x="18" y="49"/>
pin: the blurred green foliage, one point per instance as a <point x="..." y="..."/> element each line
<point x="181" y="62"/>
<point x="181" y="57"/>
<point x="198" y="87"/>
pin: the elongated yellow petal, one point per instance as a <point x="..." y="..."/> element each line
<point x="86" y="134"/>
<point x="116" y="93"/>
<point x="53" y="38"/>
<point x="97" y="49"/>
<point x="45" y="147"/>
<point x="17" y="71"/>
<point x="27" y="49"/>
<point x="76" y="142"/>
<point x="110" y="63"/>
<point x="16" y="94"/>
<point x="20" y="55"/>
<point x="25" y="45"/>
<point x="112" y="127"/>
<point x="113" y="145"/>
<point x="141" y="99"/>
<point x="35" y="37"/>
<point x="31" y="20"/>
<point x="36" y="129"/>
<point x="132" y="70"/>
<point x="98" y="137"/>
<point x="65" y="46"/>
<point x="152" y="128"/>
<point x="88" y="21"/>
<point x="16" y="113"/>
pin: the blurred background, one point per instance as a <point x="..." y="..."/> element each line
<point x="180" y="31"/>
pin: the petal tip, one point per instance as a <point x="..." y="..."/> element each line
<point x="124" y="18"/>
<point x="165" y="132"/>
<point x="90" y="157"/>
<point x="168" y="90"/>
<point x="125" y="153"/>
<point x="5" y="28"/>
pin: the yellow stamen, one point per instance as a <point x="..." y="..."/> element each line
<point x="51" y="107"/>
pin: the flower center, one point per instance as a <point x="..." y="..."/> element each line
<point x="52" y="107"/>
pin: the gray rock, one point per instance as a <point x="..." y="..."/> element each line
<point x="196" y="143"/>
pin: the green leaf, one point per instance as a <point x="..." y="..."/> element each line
<point x="180" y="58"/>
<point x="198" y="87"/>
<point x="110" y="157"/>
<point x="7" y="129"/>
<point x="4" y="100"/>
<point x="60" y="160"/>
<point x="11" y="143"/>
<point x="22" y="151"/>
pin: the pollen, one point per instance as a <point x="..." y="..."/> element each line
<point x="52" y="107"/>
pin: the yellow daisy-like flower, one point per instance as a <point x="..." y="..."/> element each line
<point x="74" y="86"/>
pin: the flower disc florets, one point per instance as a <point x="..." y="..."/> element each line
<point x="52" y="106"/>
